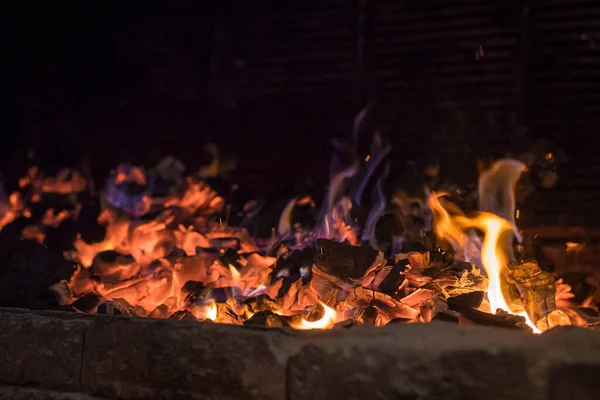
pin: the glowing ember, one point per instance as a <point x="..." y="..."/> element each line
<point x="325" y="322"/>
<point x="167" y="249"/>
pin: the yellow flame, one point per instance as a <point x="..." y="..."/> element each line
<point x="205" y="311"/>
<point x="493" y="256"/>
<point x="325" y="322"/>
<point x="211" y="310"/>
<point x="235" y="276"/>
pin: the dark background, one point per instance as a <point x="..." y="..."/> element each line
<point x="272" y="81"/>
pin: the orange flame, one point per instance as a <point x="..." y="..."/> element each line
<point x="327" y="321"/>
<point x="494" y="257"/>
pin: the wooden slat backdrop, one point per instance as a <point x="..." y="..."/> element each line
<point x="274" y="80"/>
<point x="529" y="63"/>
<point x="565" y="101"/>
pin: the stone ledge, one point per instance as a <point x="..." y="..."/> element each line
<point x="24" y="393"/>
<point x="141" y="358"/>
<point x="40" y="350"/>
<point x="138" y="358"/>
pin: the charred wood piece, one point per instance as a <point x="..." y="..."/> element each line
<point x="346" y="261"/>
<point x="267" y="319"/>
<point x="537" y="288"/>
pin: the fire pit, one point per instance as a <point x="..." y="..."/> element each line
<point x="154" y="246"/>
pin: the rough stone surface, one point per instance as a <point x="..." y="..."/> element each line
<point x="40" y="350"/>
<point x="52" y="355"/>
<point x="142" y="359"/>
<point x="436" y="361"/>
<point x="574" y="382"/>
<point x="21" y="393"/>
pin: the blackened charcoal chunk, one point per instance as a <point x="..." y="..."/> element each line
<point x="231" y="257"/>
<point x="161" y="311"/>
<point x="394" y="279"/>
<point x="116" y="307"/>
<point x="261" y="303"/>
<point x="268" y="319"/>
<point x="447" y="316"/>
<point x="345" y="261"/>
<point x="368" y="316"/>
<point x="225" y="243"/>
<point x="472" y="299"/>
<point x="501" y="319"/>
<point x="297" y="265"/>
<point x="183" y="315"/>
<point x="27" y="270"/>
<point x="87" y="303"/>
<point x="63" y="293"/>
<point x="196" y="292"/>
<point x="536" y="287"/>
<point x="192" y="291"/>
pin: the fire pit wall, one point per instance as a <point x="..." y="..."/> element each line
<point x="55" y="355"/>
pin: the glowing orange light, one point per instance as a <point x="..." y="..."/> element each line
<point x="493" y="256"/>
<point x="327" y="321"/>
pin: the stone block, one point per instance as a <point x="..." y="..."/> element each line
<point x="138" y="358"/>
<point x="41" y="350"/>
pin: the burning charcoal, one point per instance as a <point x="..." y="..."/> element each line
<point x="347" y="324"/>
<point x="161" y="311"/>
<point x="226" y="315"/>
<point x="63" y="292"/>
<point x="447" y="316"/>
<point x="291" y="269"/>
<point x="536" y="287"/>
<point x="191" y="292"/>
<point x="225" y="243"/>
<point x="27" y="270"/>
<point x="287" y="298"/>
<point x="231" y="257"/>
<point x="472" y="299"/>
<point x="501" y="319"/>
<point x="417" y="260"/>
<point x="116" y="307"/>
<point x="267" y="318"/>
<point x="112" y="267"/>
<point x="400" y="321"/>
<point x="88" y="303"/>
<point x="553" y="319"/>
<point x="361" y="297"/>
<point x="183" y="315"/>
<point x="368" y="316"/>
<point x="394" y="279"/>
<point x="261" y="303"/>
<point x="346" y="261"/>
